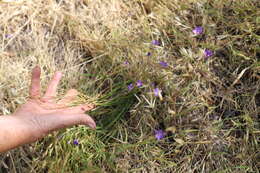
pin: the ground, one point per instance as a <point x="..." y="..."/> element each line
<point x="202" y="89"/>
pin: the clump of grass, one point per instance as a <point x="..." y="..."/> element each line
<point x="209" y="101"/>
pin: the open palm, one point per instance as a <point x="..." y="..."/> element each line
<point x="44" y="114"/>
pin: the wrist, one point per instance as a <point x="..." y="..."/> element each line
<point x="13" y="132"/>
<point x="29" y="128"/>
<point x="23" y="129"/>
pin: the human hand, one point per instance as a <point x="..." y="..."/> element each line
<point x="43" y="114"/>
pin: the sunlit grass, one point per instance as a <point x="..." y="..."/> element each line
<point x="208" y="106"/>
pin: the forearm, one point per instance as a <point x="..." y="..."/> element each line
<point x="13" y="133"/>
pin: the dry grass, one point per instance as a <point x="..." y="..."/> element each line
<point x="209" y="107"/>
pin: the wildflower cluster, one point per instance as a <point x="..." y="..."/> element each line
<point x="160" y="134"/>
<point x="199" y="31"/>
<point x="131" y="86"/>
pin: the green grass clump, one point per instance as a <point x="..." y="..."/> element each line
<point x="209" y="107"/>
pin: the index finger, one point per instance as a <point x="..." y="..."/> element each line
<point x="35" y="89"/>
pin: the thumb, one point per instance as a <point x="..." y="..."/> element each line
<point x="78" y="119"/>
<point x="58" y="121"/>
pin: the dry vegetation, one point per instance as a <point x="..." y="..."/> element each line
<point x="209" y="107"/>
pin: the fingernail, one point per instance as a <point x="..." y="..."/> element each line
<point x="36" y="68"/>
<point x="59" y="74"/>
<point x="92" y="125"/>
<point x="92" y="106"/>
<point x="87" y="107"/>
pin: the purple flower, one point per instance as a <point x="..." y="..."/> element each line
<point x="163" y="64"/>
<point x="159" y="134"/>
<point x="208" y="53"/>
<point x="149" y="54"/>
<point x="157" y="92"/>
<point x="75" y="142"/>
<point x="198" y="30"/>
<point x="156" y="42"/>
<point x="8" y="36"/>
<point x="130" y="87"/>
<point x="139" y="83"/>
<point x="126" y="63"/>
